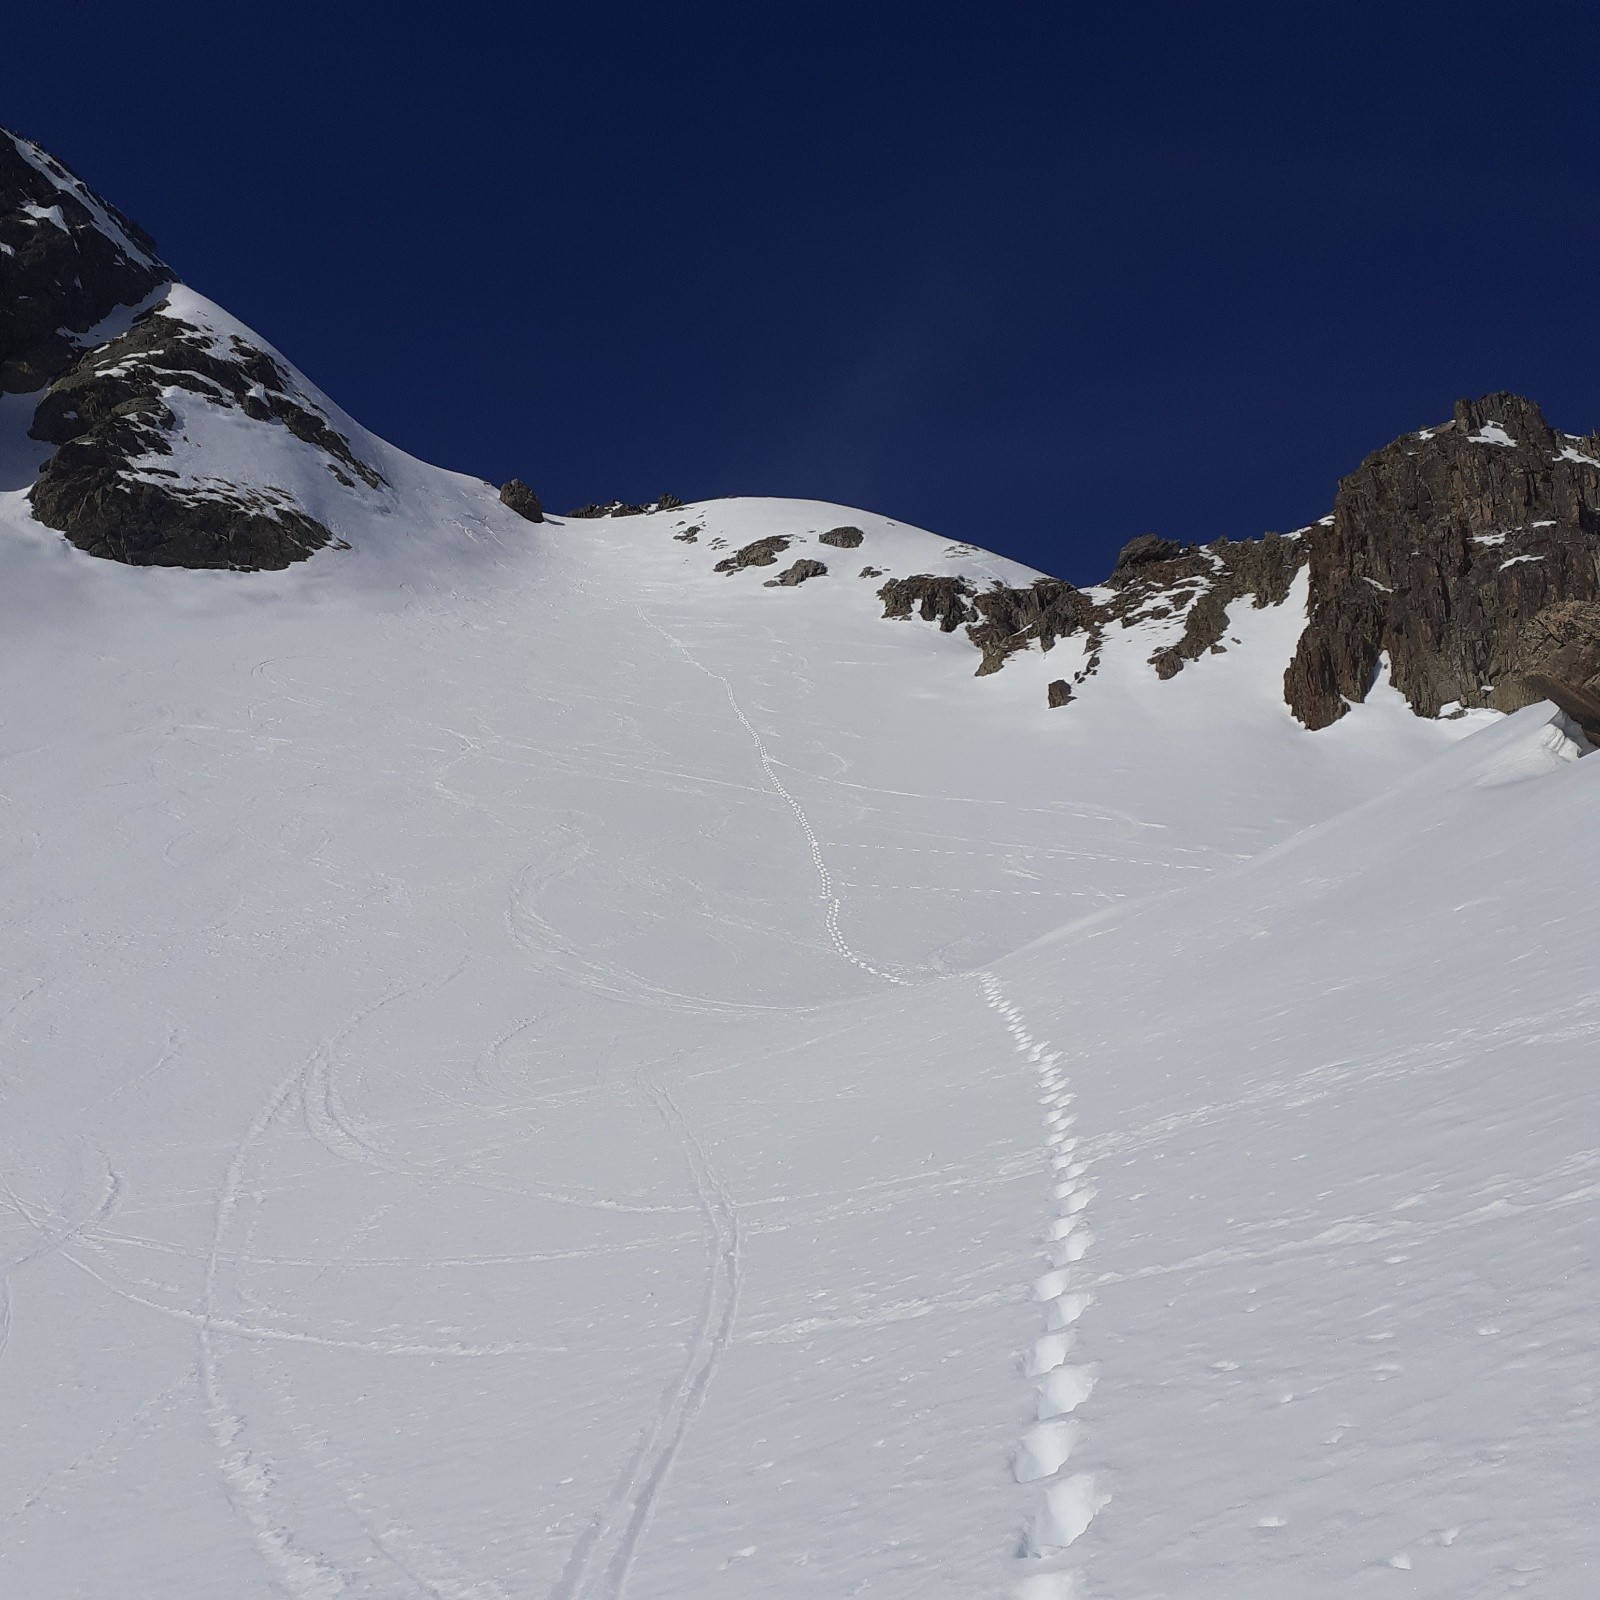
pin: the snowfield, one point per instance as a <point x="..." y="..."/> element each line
<point x="529" y="1067"/>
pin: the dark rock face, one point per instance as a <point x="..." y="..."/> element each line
<point x="1215" y="576"/>
<point x="1442" y="548"/>
<point x="108" y="488"/>
<point x="758" y="553"/>
<point x="793" y="576"/>
<point x="1560" y="644"/>
<point x="1582" y="705"/>
<point x="67" y="261"/>
<point x="1013" y="619"/>
<point x="521" y="499"/>
<point x="935" y="599"/>
<point x="842" y="538"/>
<point x="873" y="572"/>
<point x="1058" y="692"/>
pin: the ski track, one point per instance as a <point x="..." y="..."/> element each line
<point x="56" y="1232"/>
<point x="1070" y="1500"/>
<point x="770" y="767"/>
<point x="540" y="941"/>
<point x="246" y="1477"/>
<point x="603" y="1556"/>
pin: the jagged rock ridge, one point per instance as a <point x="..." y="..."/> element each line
<point x="1154" y="579"/>
<point x="68" y="261"/>
<point x="1467" y="554"/>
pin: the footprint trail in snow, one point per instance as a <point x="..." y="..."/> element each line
<point x="1071" y="1500"/>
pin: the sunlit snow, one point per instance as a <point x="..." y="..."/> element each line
<point x="532" y="1068"/>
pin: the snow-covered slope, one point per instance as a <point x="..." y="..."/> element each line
<point x="531" y="1066"/>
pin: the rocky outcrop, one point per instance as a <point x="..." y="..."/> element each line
<point x="758" y="553"/>
<point x="793" y="576"/>
<point x="1444" y="547"/>
<point x="842" y="538"/>
<point x="1468" y="554"/>
<point x="1013" y="619"/>
<point x="515" y="494"/>
<point x="1057" y="692"/>
<point x="1209" y="579"/>
<point x="1154" y="579"/>
<point x="128" y="483"/>
<point x="68" y="261"/>
<point x="620" y="508"/>
<point x="943" y="600"/>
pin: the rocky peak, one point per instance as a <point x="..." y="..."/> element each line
<point x="1443" y="545"/>
<point x="68" y="262"/>
<point x="1518" y="418"/>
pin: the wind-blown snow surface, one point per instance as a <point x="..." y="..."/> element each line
<point x="531" y="1068"/>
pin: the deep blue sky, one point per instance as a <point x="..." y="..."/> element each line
<point x="1043" y="276"/>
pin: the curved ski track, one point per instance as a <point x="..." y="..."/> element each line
<point x="769" y="767"/>
<point x="600" y="1561"/>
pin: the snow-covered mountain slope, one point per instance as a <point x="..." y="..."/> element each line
<point x="533" y="1066"/>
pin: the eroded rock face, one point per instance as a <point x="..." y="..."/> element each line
<point x="842" y="538"/>
<point x="118" y="486"/>
<point x="1014" y="619"/>
<point x="1210" y="578"/>
<point x="1443" y="547"/>
<point x="515" y="494"/>
<point x="68" y="261"/>
<point x="758" y="553"/>
<point x="1561" y="643"/>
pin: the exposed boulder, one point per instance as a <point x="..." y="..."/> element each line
<point x="873" y="572"/>
<point x="1442" y="546"/>
<point x="793" y="576"/>
<point x="130" y="483"/>
<point x="1058" y="692"/>
<point x="758" y="553"/>
<point x="521" y="499"/>
<point x="935" y="599"/>
<point x="68" y="261"/>
<point x="842" y="538"/>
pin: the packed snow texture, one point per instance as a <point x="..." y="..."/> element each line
<point x="534" y="1068"/>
